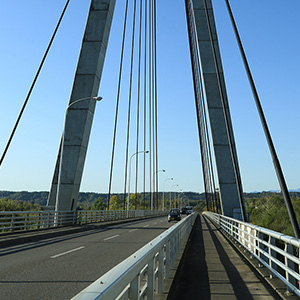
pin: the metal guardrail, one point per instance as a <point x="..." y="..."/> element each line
<point x="11" y="221"/>
<point x="276" y="251"/>
<point x="142" y="274"/>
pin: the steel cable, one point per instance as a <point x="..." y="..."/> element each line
<point x="138" y="96"/>
<point x="117" y="106"/>
<point x="33" y="84"/>
<point x="129" y="100"/>
<point x="271" y="146"/>
<point x="155" y="100"/>
<point x="145" y="102"/>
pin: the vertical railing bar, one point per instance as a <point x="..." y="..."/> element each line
<point x="150" y="280"/>
<point x="160" y="280"/>
<point x="134" y="290"/>
<point x="168" y="259"/>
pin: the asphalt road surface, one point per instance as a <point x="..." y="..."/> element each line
<point x="59" y="268"/>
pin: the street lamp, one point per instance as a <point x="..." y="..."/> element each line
<point x="162" y="170"/>
<point x="178" y="196"/>
<point x="62" y="145"/>
<point x="145" y="151"/>
<point x="171" y="195"/>
<point x="163" y="205"/>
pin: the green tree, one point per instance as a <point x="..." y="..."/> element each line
<point x="115" y="203"/>
<point x="135" y="201"/>
<point x="15" y="205"/>
<point x="269" y="211"/>
<point x="200" y="207"/>
<point x="99" y="204"/>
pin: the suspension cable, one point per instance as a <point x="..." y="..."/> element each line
<point x="117" y="106"/>
<point x="33" y="83"/>
<point x="149" y="104"/>
<point x="138" y="97"/>
<point x="145" y="102"/>
<point x="146" y="88"/>
<point x="129" y="101"/>
<point x="152" y="105"/>
<point x="275" y="159"/>
<point x="155" y="99"/>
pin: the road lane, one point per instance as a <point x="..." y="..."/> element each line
<point x="28" y="270"/>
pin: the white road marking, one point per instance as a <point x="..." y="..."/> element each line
<point x="155" y="222"/>
<point x="146" y="225"/>
<point x="133" y="230"/>
<point x="67" y="252"/>
<point x="111" y="237"/>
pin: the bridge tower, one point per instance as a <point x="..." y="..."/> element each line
<point x="80" y="116"/>
<point x="200" y="16"/>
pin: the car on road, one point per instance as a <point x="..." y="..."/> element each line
<point x="183" y="210"/>
<point x="174" y="215"/>
<point x="189" y="210"/>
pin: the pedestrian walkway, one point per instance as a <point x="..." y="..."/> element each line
<point x="211" y="268"/>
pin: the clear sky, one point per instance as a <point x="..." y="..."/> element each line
<point x="270" y="34"/>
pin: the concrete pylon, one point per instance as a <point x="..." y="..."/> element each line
<point x="228" y="185"/>
<point x="80" y="116"/>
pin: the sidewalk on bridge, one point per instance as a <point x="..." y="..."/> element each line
<point x="211" y="268"/>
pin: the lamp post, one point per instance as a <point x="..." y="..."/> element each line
<point x="62" y="145"/>
<point x="178" y="197"/>
<point x="145" y="151"/>
<point x="162" y="170"/>
<point x="163" y="204"/>
<point x="171" y="195"/>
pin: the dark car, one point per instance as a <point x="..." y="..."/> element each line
<point x="183" y="210"/>
<point x="189" y="210"/>
<point x="174" y="215"/>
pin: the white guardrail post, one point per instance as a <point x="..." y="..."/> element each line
<point x="142" y="273"/>
<point x="276" y="251"/>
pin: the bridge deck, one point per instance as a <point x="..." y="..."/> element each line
<point x="212" y="269"/>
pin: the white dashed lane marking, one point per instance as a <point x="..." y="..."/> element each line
<point x="111" y="237"/>
<point x="67" y="252"/>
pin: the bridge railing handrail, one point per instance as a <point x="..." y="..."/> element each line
<point x="142" y="274"/>
<point x="11" y="221"/>
<point x="276" y="251"/>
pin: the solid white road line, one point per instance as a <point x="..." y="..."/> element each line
<point x="67" y="252"/>
<point x="133" y="230"/>
<point x="111" y="237"/>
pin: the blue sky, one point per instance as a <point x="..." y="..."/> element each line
<point x="269" y="32"/>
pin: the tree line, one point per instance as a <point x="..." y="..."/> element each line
<point x="91" y="200"/>
<point x="264" y="209"/>
<point x="267" y="210"/>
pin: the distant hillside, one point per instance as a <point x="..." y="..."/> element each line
<point x="41" y="197"/>
<point x="85" y="199"/>
<point x="33" y="197"/>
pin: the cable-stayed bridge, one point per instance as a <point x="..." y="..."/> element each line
<point x="220" y="166"/>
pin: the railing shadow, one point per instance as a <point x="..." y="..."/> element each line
<point x="191" y="280"/>
<point x="239" y="287"/>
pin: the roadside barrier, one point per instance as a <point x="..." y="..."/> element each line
<point x="142" y="274"/>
